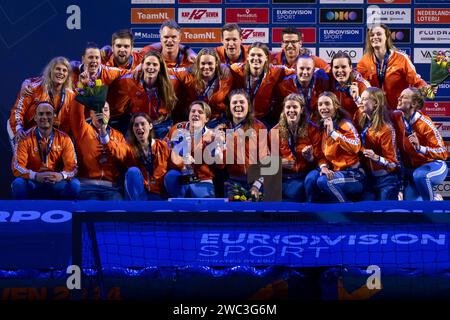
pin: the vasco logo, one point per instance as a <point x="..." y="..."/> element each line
<point x="328" y="53"/>
<point x="340" y="15"/>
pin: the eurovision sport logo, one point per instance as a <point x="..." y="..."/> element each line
<point x="343" y="35"/>
<point x="294" y="15"/>
<point x="341" y="15"/>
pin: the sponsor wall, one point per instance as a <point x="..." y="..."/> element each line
<point x="63" y="27"/>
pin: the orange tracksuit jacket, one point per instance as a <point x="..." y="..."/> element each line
<point x="90" y="149"/>
<point x="202" y="170"/>
<point x="27" y="161"/>
<point x="23" y="111"/>
<point x="218" y="99"/>
<point x="136" y="59"/>
<point x="224" y="59"/>
<point x="400" y="74"/>
<point x="183" y="63"/>
<point x="106" y="74"/>
<point x="383" y="142"/>
<point x="301" y="164"/>
<point x="262" y="102"/>
<point x="341" y="147"/>
<point x="238" y="169"/>
<point x="430" y="139"/>
<point x="278" y="58"/>
<point x="344" y="97"/>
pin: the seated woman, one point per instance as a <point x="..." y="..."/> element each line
<point x="243" y="145"/>
<point x="299" y="149"/>
<point x="379" y="148"/>
<point x="191" y="174"/>
<point x="148" y="158"/>
<point x="341" y="173"/>
<point x="422" y="149"/>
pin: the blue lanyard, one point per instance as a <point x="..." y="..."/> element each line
<point x="364" y="133"/>
<point x="204" y="95"/>
<point x="255" y="90"/>
<point x="381" y="71"/>
<point x="240" y="59"/>
<point x="308" y="95"/>
<point x="178" y="59"/>
<point x="284" y="60"/>
<point x="148" y="161"/>
<point x="154" y="93"/>
<point x="342" y="88"/>
<point x="408" y="125"/>
<point x="239" y="125"/>
<point x="291" y="143"/>
<point x="44" y="155"/>
<point x="61" y="102"/>
<point x="129" y="65"/>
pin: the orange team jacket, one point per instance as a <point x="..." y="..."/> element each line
<point x="182" y="60"/>
<point x="400" y="74"/>
<point x="236" y="169"/>
<point x="224" y="58"/>
<point x="135" y="60"/>
<point x="131" y="96"/>
<point x="343" y="94"/>
<point x="160" y="156"/>
<point x="341" y="147"/>
<point x="27" y="159"/>
<point x="383" y="142"/>
<point x="216" y="100"/>
<point x="91" y="151"/>
<point x="432" y="145"/>
<point x="279" y="58"/>
<point x="106" y="74"/>
<point x="262" y="101"/>
<point x="290" y="85"/>
<point x="177" y="134"/>
<point x="302" y="166"/>
<point x="23" y="111"/>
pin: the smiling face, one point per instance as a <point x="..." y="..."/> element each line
<point x="291" y="45"/>
<point x="59" y="74"/>
<point x="378" y="38"/>
<point x="368" y="103"/>
<point x="197" y="117"/>
<point x="405" y="101"/>
<point x="44" y="116"/>
<point x="292" y="110"/>
<point x="232" y="42"/>
<point x="341" y="70"/>
<point x="92" y="60"/>
<point x="326" y="107"/>
<point x="151" y="67"/>
<point x="238" y="107"/>
<point x="305" y="70"/>
<point x="141" y="129"/>
<point x="207" y="65"/>
<point x="122" y="50"/>
<point x="257" y="59"/>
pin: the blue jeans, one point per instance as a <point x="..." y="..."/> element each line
<point x="343" y="184"/>
<point x="193" y="190"/>
<point x="29" y="189"/>
<point x="95" y="192"/>
<point x="134" y="186"/>
<point x="294" y="189"/>
<point x="161" y="129"/>
<point x="382" y="188"/>
<point x="422" y="179"/>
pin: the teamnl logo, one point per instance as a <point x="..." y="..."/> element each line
<point x="243" y="147"/>
<point x="341" y="15"/>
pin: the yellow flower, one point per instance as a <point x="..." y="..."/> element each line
<point x="80" y="85"/>
<point x="98" y="82"/>
<point x="236" y="197"/>
<point x="243" y="198"/>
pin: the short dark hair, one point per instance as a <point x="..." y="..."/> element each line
<point x="291" y="30"/>
<point x="230" y="27"/>
<point x="122" y="34"/>
<point x="171" y="24"/>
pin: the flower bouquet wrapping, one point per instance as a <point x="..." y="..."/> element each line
<point x="92" y="94"/>
<point x="239" y="193"/>
<point x="439" y="71"/>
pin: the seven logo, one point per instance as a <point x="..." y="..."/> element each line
<point x="207" y="15"/>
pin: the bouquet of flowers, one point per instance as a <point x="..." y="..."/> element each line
<point x="439" y="71"/>
<point x="92" y="94"/>
<point x="239" y="193"/>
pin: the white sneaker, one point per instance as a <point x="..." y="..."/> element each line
<point x="438" y="197"/>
